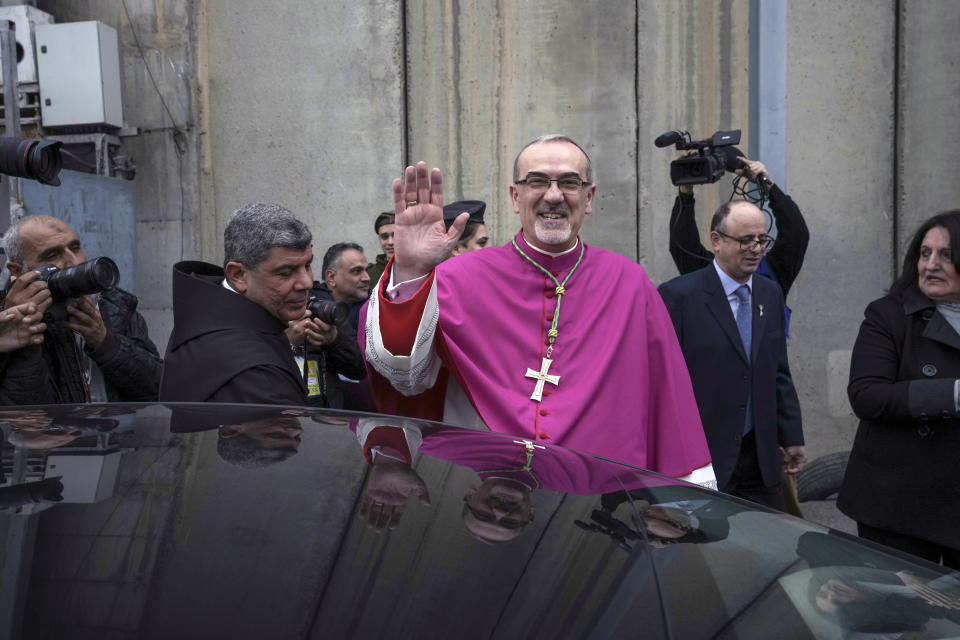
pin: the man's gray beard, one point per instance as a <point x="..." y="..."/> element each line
<point x="553" y="236"/>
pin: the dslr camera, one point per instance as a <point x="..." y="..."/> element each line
<point x="328" y="311"/>
<point x="86" y="278"/>
<point x="711" y="158"/>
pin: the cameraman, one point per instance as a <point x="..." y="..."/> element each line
<point x="101" y="352"/>
<point x="334" y="363"/>
<point x="784" y="260"/>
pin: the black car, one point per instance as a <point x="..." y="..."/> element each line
<point x="218" y="521"/>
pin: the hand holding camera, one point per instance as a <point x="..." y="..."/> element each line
<point x="754" y="171"/>
<point x="29" y="288"/>
<point x="311" y="330"/>
<point x="84" y="317"/>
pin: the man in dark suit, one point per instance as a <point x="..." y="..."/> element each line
<point x="747" y="403"/>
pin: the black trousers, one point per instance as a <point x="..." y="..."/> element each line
<point x="747" y="481"/>
<point x="936" y="553"/>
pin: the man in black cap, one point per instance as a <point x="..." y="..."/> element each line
<point x="384" y="227"/>
<point x="475" y="234"/>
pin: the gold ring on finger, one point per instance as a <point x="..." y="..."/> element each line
<point x="412" y="203"/>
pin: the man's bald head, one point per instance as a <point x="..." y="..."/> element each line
<point x="739" y="236"/>
<point x="36" y="240"/>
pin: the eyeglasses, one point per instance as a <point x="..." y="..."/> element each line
<point x="761" y="241"/>
<point x="505" y="522"/>
<point x="539" y="182"/>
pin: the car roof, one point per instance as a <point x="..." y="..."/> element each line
<point x="205" y="520"/>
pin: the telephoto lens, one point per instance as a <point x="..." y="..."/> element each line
<point x="34" y="159"/>
<point x="92" y="276"/>
<point x="328" y="311"/>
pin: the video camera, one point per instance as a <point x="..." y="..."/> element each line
<point x="34" y="159"/>
<point x="714" y="156"/>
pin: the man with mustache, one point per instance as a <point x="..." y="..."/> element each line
<point x="228" y="342"/>
<point x="544" y="338"/>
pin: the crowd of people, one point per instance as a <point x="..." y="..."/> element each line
<point x="545" y="338"/>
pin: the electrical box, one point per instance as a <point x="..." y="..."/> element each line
<point x="88" y="477"/>
<point x="78" y="64"/>
<point x="26" y="19"/>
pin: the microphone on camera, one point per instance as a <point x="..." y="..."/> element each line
<point x="668" y="138"/>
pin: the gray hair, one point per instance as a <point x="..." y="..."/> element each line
<point x="11" y="242"/>
<point x="553" y="137"/>
<point x="254" y="229"/>
<point x="331" y="259"/>
<point x="244" y="451"/>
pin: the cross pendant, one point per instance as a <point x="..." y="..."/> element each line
<point x="541" y="377"/>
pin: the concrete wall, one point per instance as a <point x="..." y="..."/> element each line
<point x="928" y="116"/>
<point x="320" y="106"/>
<point x="840" y="80"/>
<point x="304" y="107"/>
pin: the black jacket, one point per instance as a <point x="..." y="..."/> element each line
<point x="225" y="348"/>
<point x="723" y="376"/>
<point x="341" y="357"/>
<point x="904" y="469"/>
<point x="50" y="373"/>
<point x="785" y="259"/>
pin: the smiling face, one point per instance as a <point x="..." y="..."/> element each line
<point x="551" y="218"/>
<point x="498" y="510"/>
<point x="938" y="277"/>
<point x="743" y="220"/>
<point x="280" y="284"/>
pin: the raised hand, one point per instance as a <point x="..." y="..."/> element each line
<point x="422" y="241"/>
<point x="389" y="485"/>
<point x="752" y="170"/>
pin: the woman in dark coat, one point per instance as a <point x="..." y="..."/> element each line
<point x="902" y="484"/>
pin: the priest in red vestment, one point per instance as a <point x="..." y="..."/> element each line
<point x="544" y="338"/>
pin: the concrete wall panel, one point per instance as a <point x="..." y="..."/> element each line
<point x="840" y="74"/>
<point x="306" y="109"/>
<point x="928" y="113"/>
<point x="486" y="79"/>
<point x="692" y="75"/>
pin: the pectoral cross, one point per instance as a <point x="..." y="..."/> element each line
<point x="530" y="448"/>
<point x="541" y="377"/>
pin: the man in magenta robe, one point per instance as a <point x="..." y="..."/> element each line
<point x="544" y="338"/>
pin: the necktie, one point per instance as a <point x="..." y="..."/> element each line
<point x="745" y="327"/>
<point x="744" y="317"/>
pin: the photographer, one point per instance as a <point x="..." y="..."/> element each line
<point x="334" y="363"/>
<point x="100" y="352"/>
<point x="784" y="260"/>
